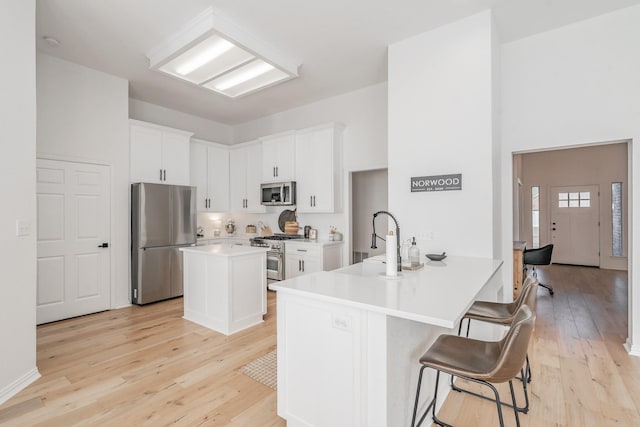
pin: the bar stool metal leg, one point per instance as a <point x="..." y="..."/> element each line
<point x="415" y="405"/>
<point x="434" y="417"/>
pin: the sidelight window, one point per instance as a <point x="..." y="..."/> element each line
<point x="616" y="218"/>
<point x="535" y="216"/>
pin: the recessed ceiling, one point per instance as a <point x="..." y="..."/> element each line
<point x="342" y="44"/>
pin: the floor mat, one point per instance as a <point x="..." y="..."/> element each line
<point x="264" y="370"/>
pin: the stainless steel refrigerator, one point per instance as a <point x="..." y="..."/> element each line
<point x="163" y="219"/>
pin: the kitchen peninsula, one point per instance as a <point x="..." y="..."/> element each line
<point x="225" y="286"/>
<point x="349" y="340"/>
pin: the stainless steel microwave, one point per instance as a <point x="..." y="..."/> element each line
<point x="278" y="194"/>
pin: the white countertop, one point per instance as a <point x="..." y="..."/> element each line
<point x="224" y="250"/>
<point x="313" y="242"/>
<point x="438" y="294"/>
<point x="225" y="237"/>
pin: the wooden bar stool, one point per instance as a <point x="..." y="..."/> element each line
<point x="483" y="362"/>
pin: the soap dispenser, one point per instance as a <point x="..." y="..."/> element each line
<point x="414" y="254"/>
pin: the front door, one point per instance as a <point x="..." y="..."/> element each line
<point x="73" y="228"/>
<point x="575" y="225"/>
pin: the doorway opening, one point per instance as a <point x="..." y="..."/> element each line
<point x="575" y="198"/>
<point x="369" y="194"/>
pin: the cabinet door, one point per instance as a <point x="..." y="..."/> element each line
<point x="323" y="174"/>
<point x="285" y="168"/>
<point x="311" y="264"/>
<point x="306" y="180"/>
<point x="238" y="178"/>
<point x="316" y="180"/>
<point x="269" y="160"/>
<point x="278" y="158"/>
<point x="218" y="179"/>
<point x="198" y="173"/>
<point x="146" y="154"/>
<point x="254" y="162"/>
<point x="292" y="266"/>
<point x="175" y="158"/>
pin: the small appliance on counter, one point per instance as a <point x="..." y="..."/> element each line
<point x="230" y="227"/>
<point x="307" y="228"/>
<point x="313" y="234"/>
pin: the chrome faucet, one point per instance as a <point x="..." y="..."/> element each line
<point x="374" y="236"/>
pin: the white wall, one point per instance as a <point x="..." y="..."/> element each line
<point x="363" y="112"/>
<point x="83" y="115"/>
<point x="208" y="130"/>
<point x="17" y="163"/>
<point x="440" y="122"/>
<point x="571" y="86"/>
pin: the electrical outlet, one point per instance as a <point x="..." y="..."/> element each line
<point x="341" y="322"/>
<point x="23" y="227"/>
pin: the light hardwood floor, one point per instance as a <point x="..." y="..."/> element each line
<point x="582" y="375"/>
<point x="148" y="366"/>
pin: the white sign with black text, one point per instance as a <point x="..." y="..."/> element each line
<point x="436" y="183"/>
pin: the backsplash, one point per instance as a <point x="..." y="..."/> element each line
<point x="321" y="222"/>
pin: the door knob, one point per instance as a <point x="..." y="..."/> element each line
<point x="104" y="245"/>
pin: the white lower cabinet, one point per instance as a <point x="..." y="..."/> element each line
<point x="303" y="258"/>
<point x="225" y="289"/>
<point x="321" y="350"/>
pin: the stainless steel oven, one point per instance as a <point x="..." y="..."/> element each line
<point x="275" y="263"/>
<point x="275" y="257"/>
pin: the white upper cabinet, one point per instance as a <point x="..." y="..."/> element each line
<point x="210" y="176"/>
<point x="245" y="175"/>
<point x="319" y="168"/>
<point x="159" y="154"/>
<point x="278" y="157"/>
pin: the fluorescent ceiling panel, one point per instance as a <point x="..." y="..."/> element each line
<point x="216" y="54"/>
<point x="246" y="79"/>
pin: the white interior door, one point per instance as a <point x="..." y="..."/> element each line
<point x="575" y="225"/>
<point x="73" y="223"/>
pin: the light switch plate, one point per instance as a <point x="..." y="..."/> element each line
<point x="23" y="227"/>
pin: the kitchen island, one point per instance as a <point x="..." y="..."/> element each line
<point x="349" y="340"/>
<point x="225" y="286"/>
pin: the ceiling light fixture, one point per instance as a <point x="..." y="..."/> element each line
<point x="213" y="52"/>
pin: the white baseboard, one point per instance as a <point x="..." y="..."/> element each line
<point x="632" y="349"/>
<point x="15" y="387"/>
<point x="124" y="305"/>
